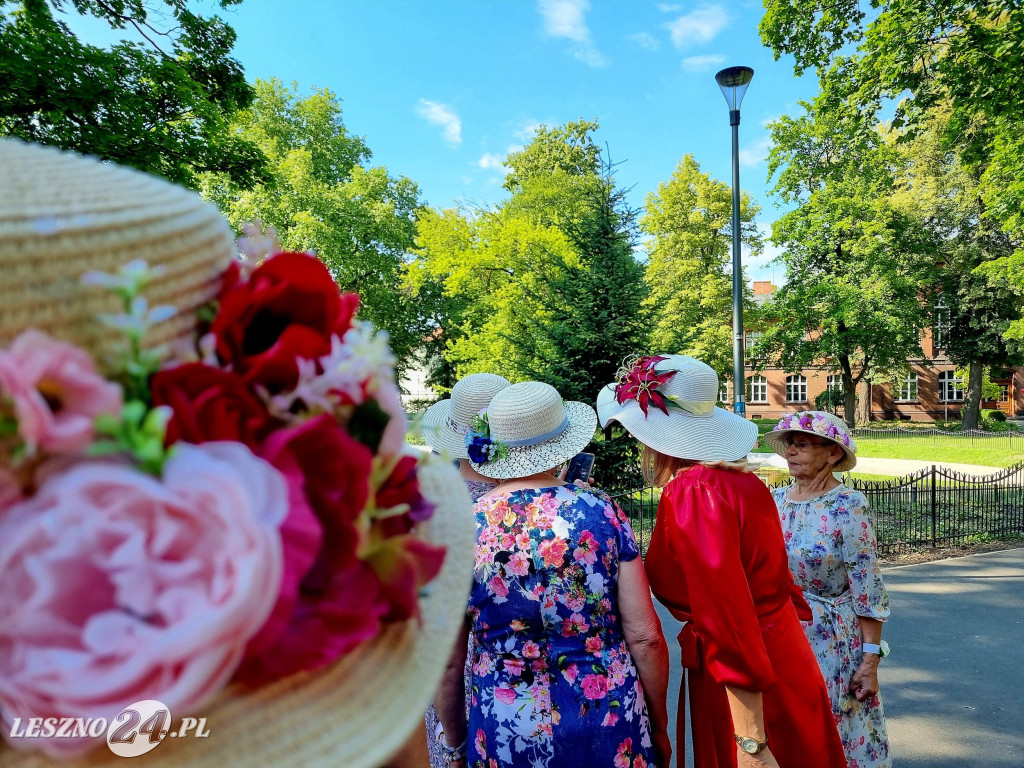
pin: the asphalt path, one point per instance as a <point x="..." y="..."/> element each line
<point x="953" y="684"/>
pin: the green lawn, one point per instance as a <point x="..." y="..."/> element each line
<point x="989" y="452"/>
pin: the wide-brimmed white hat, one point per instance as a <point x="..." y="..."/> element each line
<point x="538" y="428"/>
<point x="693" y="428"/>
<point x="820" y="424"/>
<point x="445" y="424"/>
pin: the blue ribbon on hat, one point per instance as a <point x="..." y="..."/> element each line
<point x="539" y="438"/>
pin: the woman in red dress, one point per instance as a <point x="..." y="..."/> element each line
<point x="717" y="561"/>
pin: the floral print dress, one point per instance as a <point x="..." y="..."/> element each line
<point x="831" y="545"/>
<point x="554" y="684"/>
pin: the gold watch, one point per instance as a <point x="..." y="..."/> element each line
<point x="749" y="745"/>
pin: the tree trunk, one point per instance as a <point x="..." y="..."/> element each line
<point x="864" y="416"/>
<point x="972" y="397"/>
<point x="849" y="392"/>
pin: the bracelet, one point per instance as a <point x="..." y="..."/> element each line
<point x="451" y="754"/>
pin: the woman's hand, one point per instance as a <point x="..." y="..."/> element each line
<point x="662" y="748"/>
<point x="760" y="760"/>
<point x="864" y="684"/>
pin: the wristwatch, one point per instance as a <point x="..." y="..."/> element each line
<point x="749" y="745"/>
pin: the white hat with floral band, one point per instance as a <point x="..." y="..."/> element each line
<point x="233" y="527"/>
<point x="446" y="423"/>
<point x="820" y="424"/>
<point x="528" y="428"/>
<point x="667" y="402"/>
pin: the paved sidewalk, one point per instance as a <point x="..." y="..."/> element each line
<point x="953" y="687"/>
<point x="874" y="466"/>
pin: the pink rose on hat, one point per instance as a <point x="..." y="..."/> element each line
<point x="121" y="587"/>
<point x="820" y="423"/>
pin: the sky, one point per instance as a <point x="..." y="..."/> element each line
<point x="442" y="90"/>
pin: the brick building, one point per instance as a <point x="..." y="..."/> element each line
<point x="930" y="392"/>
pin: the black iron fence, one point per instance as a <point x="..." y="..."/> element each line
<point x="925" y="509"/>
<point x="1011" y="438"/>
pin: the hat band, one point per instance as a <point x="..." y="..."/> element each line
<point x="454" y="426"/>
<point x="539" y="438"/>
<point x="695" y="407"/>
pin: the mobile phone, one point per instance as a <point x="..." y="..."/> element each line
<point x="580" y="467"/>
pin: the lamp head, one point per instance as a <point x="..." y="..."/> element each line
<point x="734" y="81"/>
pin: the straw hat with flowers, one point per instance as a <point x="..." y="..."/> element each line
<point x="204" y="496"/>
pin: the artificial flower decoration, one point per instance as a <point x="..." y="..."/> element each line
<point x="818" y="424"/>
<point x="479" y="445"/>
<point x="240" y="509"/>
<point x="637" y="380"/>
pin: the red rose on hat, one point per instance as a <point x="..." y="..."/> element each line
<point x="289" y="308"/>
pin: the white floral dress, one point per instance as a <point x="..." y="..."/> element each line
<point x="832" y="553"/>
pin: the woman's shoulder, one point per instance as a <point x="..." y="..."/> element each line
<point x="850" y="498"/>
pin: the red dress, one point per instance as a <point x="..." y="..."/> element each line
<point x="718" y="562"/>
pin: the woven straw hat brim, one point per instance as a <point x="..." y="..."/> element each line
<point x="722" y="436"/>
<point x="527" y="460"/>
<point x="777" y="442"/>
<point x="356" y="713"/>
<point x="62" y="215"/>
<point x="436" y="432"/>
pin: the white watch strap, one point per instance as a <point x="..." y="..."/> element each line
<point x="871" y="648"/>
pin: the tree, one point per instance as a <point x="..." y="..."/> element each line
<point x="856" y="262"/>
<point x="322" y="195"/>
<point x="977" y="308"/>
<point x="689" y="220"/>
<point x="962" y="55"/>
<point x="160" y="104"/>
<point x="552" y="290"/>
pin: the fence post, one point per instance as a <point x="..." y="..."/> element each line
<point x="934" y="507"/>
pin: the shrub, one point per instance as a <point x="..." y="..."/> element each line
<point x="993" y="414"/>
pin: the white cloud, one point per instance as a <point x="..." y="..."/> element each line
<point x="645" y="40"/>
<point x="702" y="63"/>
<point x="527" y="130"/>
<point x="700" y="26"/>
<point x="444" y="116"/>
<point x="669" y="7"/>
<point x="755" y="154"/>
<point x="567" y="18"/>
<point x="489" y="160"/>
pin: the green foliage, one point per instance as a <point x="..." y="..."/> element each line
<point x="689" y="220"/>
<point x="831" y="400"/>
<point x="993" y="414"/>
<point x="139" y="433"/>
<point x="323" y="196"/>
<point x="959" y="56"/>
<point x="158" y="102"/>
<point x="546" y="286"/>
<point x="855" y="259"/>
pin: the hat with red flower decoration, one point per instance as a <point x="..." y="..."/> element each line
<point x="205" y="497"/>
<point x="667" y="402"/>
<point x="818" y="424"/>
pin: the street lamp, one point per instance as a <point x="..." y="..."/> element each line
<point x="734" y="81"/>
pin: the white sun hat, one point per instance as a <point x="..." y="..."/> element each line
<point x="538" y="429"/>
<point x="445" y="424"/>
<point x="819" y="424"/>
<point x="692" y="428"/>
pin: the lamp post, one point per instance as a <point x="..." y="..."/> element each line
<point x="734" y="81"/>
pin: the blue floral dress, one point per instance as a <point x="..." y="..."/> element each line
<point x="554" y="684"/>
<point x="831" y="545"/>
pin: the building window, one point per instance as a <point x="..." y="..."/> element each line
<point x="940" y="331"/>
<point x="796" y="389"/>
<point x="757" y="389"/>
<point x="1004" y="393"/>
<point x="908" y="389"/>
<point x="951" y="388"/>
<point x="835" y="381"/>
<point x="723" y="392"/>
<point x="749" y="341"/>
